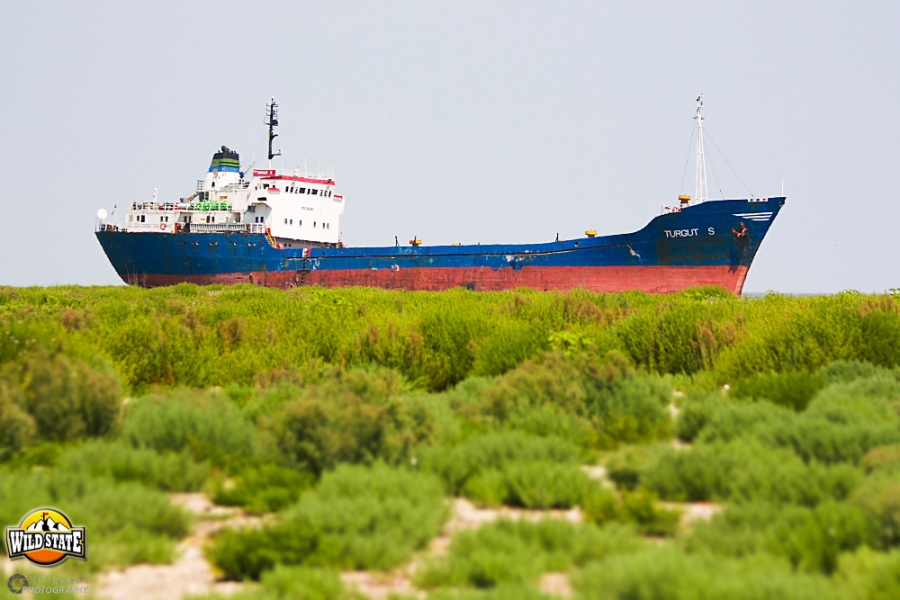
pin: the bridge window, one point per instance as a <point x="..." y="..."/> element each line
<point x="292" y="221"/>
<point x="302" y="190"/>
<point x="300" y="223"/>
<point x="315" y="192"/>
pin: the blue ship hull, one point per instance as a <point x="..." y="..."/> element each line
<point x="709" y="243"/>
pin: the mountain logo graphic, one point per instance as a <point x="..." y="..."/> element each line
<point x="46" y="537"/>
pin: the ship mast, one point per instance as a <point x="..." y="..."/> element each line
<point x="272" y="122"/>
<point x="701" y="193"/>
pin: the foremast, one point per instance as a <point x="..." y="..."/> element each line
<point x="701" y="192"/>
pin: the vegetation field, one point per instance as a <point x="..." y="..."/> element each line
<point x="351" y="422"/>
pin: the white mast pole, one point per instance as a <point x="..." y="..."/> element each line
<point x="702" y="190"/>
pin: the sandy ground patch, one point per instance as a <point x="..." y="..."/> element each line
<point x="693" y="511"/>
<point x="556" y="584"/>
<point x="380" y="586"/>
<point x="190" y="573"/>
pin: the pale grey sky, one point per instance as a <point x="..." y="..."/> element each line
<point x="461" y="121"/>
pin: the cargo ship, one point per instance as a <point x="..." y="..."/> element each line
<point x="280" y="228"/>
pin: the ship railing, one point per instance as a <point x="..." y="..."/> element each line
<point x="257" y="227"/>
<point x="182" y="206"/>
<point x="220" y="227"/>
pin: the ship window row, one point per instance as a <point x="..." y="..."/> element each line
<point x="300" y="190"/>
<point x="300" y="223"/>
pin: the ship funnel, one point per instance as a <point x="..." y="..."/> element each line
<point x="225" y="161"/>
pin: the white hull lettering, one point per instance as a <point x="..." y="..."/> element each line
<point x="682" y="233"/>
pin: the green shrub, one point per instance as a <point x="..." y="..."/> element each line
<point x="843" y="422"/>
<point x="620" y="404"/>
<point x="879" y="499"/>
<point x="505" y="552"/>
<point x="639" y="508"/>
<point x="352" y="416"/>
<point x="874" y="399"/>
<point x="625" y="466"/>
<point x="357" y="518"/>
<point x="882" y="458"/>
<point x="667" y="574"/>
<point x="548" y="421"/>
<point x="792" y="389"/>
<point x="812" y="539"/>
<point x="166" y="471"/>
<point x="845" y="371"/>
<point x="745" y="470"/>
<point x="487" y="488"/>
<point x="264" y="488"/>
<point x="456" y="465"/>
<point x="869" y="574"/>
<point x="696" y="411"/>
<point x="66" y="399"/>
<point x="17" y="427"/>
<point x="737" y="419"/>
<point x="206" y="423"/>
<point x="545" y="484"/>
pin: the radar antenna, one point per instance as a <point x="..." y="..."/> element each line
<point x="272" y="122"/>
<point x="702" y="191"/>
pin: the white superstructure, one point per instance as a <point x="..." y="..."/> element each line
<point x="292" y="208"/>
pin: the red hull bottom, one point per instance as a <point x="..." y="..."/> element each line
<point x="655" y="279"/>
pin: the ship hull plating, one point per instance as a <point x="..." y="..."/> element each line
<point x="710" y="243"/>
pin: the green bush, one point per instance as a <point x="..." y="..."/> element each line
<point x="745" y="470"/>
<point x="845" y="371"/>
<point x="456" y="465"/>
<point x="544" y="485"/>
<point x="206" y="423"/>
<point x="264" y="488"/>
<point x="351" y="416"/>
<point x="66" y="399"/>
<point x="869" y="574"/>
<point x="625" y="466"/>
<point x="792" y="389"/>
<point x="737" y="419"/>
<point x="696" y="411"/>
<point x="639" y="508"/>
<point x="505" y="552"/>
<point x="17" y="427"/>
<point x="357" y="518"/>
<point x="548" y="421"/>
<point x="166" y="471"/>
<point x="812" y="539"/>
<point x="667" y="574"/>
<point x="879" y="499"/>
<point x="882" y="458"/>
